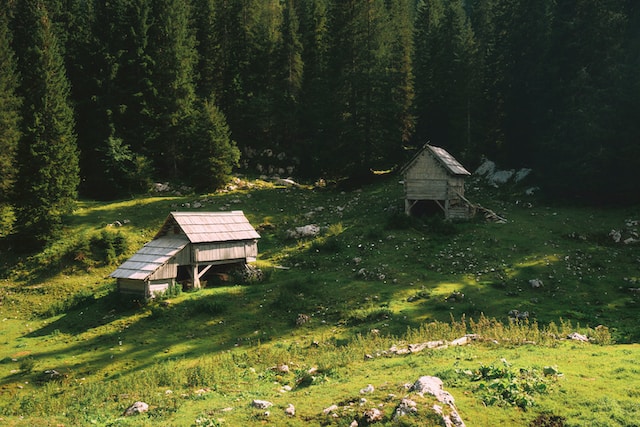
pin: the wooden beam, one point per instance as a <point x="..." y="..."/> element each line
<point x="204" y="270"/>
<point x="408" y="205"/>
<point x="195" y="278"/>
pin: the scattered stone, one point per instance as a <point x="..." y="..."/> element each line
<point x="330" y="409"/>
<point x="416" y="348"/>
<point x="372" y="415"/>
<point x="500" y="177"/>
<point x="290" y="410"/>
<point x="578" y="337"/>
<point x="287" y="182"/>
<point x="136" y="408"/>
<point x="405" y="407"/>
<point x="368" y="389"/>
<point x="310" y="230"/>
<point x="51" y="375"/>
<point x="486" y="168"/>
<point x="354" y="423"/>
<point x="302" y="319"/>
<point x="536" y="283"/>
<point x="261" y="404"/>
<point x="522" y="174"/>
<point x="518" y="315"/>
<point x="463" y="340"/>
<point x="286" y="389"/>
<point x="455" y="296"/>
<point x="531" y="191"/>
<point x="615" y="235"/>
<point x="551" y="371"/>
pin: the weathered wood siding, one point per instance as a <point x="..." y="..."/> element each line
<point x="251" y="250"/>
<point x="166" y="271"/>
<point x="427" y="179"/>
<point x="156" y="287"/>
<point x="213" y="252"/>
<point x="131" y="286"/>
<point x="426" y="189"/>
<point x="144" y="289"/>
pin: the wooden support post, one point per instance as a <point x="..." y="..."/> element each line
<point x="195" y="277"/>
<point x="196" y="274"/>
<point x="408" y="205"/>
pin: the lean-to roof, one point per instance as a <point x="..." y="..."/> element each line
<point x="150" y="257"/>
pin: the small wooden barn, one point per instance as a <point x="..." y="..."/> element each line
<point x="188" y="245"/>
<point x="433" y="176"/>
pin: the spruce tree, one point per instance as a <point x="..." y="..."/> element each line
<point x="213" y="153"/>
<point x="48" y="173"/>
<point x="315" y="97"/>
<point x="289" y="71"/>
<point x="208" y="67"/>
<point x="9" y="123"/>
<point x="593" y="93"/>
<point x="445" y="75"/>
<point x="401" y="91"/>
<point x="360" y="138"/>
<point x="170" y="103"/>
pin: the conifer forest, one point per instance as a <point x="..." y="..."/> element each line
<point x="100" y="98"/>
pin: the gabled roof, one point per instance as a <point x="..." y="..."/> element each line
<point x="180" y="229"/>
<point x="443" y="157"/>
<point x="201" y="227"/>
<point x="150" y="257"/>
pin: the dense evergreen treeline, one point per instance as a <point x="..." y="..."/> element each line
<point x="102" y="97"/>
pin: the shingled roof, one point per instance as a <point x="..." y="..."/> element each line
<point x="180" y="229"/>
<point x="201" y="227"/>
<point x="150" y="257"/>
<point x="443" y="157"/>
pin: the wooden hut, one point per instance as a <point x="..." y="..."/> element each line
<point x="188" y="243"/>
<point x="433" y="176"/>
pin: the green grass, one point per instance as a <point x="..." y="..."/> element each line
<point x="372" y="279"/>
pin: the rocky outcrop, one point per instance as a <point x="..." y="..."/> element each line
<point x="433" y="386"/>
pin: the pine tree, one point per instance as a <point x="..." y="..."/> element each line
<point x="48" y="173"/>
<point x="116" y="126"/>
<point x="288" y="81"/>
<point x="592" y="80"/>
<point x="9" y="123"/>
<point x="359" y="72"/>
<point x="208" y="67"/>
<point x="213" y="153"/>
<point x="445" y="75"/>
<point x="315" y="96"/>
<point x="401" y="73"/>
<point x="170" y="103"/>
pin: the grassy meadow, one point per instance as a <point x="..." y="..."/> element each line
<point x="329" y="309"/>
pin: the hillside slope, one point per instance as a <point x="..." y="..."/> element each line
<point x="371" y="279"/>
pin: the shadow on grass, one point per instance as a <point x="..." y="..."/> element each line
<point x="112" y="336"/>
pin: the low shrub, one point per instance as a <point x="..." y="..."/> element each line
<point x="108" y="246"/>
<point x="503" y="385"/>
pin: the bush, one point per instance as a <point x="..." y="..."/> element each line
<point x="108" y="247"/>
<point x="504" y="386"/>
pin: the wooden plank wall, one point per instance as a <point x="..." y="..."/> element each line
<point x="211" y="252"/>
